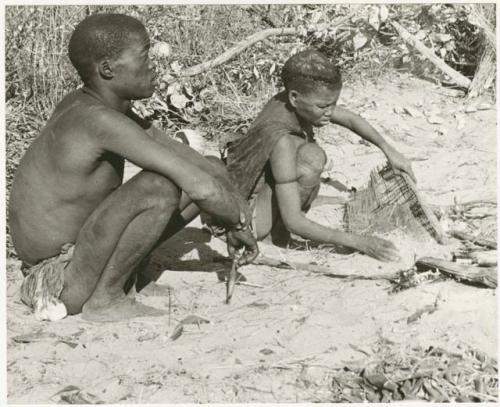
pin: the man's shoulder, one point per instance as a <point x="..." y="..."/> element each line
<point x="81" y="113"/>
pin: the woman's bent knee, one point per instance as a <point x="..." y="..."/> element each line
<point x="311" y="159"/>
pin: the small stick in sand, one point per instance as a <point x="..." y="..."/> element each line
<point x="231" y="280"/>
<point x="427" y="309"/>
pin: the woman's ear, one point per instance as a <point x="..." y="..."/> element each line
<point x="105" y="69"/>
<point x="293" y="95"/>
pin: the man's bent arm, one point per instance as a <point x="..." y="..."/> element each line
<point x="118" y="134"/>
<point x="217" y="171"/>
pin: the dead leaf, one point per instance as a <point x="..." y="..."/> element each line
<point x="470" y="109"/>
<point x="374" y="378"/>
<point x="176" y="67"/>
<point x="66" y="389"/>
<point x="177" y="332"/>
<point x="441" y="37"/>
<point x="420" y="35"/>
<point x="81" y="397"/>
<point x="198" y="107"/>
<point x="484" y="106"/>
<point x="373" y="18"/>
<point x="194" y="319"/>
<point x="178" y="100"/>
<point x="36" y="336"/>
<point x="167" y="78"/>
<point x="148" y="336"/>
<point x="359" y="349"/>
<point x="256" y="73"/>
<point x="413" y="112"/>
<point x="72" y="345"/>
<point x="256" y="304"/>
<point x="384" y="13"/>
<point x="359" y="41"/>
<point x="266" y="351"/>
<point x="188" y="91"/>
<point x="74" y="395"/>
<point x="434" y="119"/>
<point x="161" y="50"/>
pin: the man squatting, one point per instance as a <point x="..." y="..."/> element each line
<point x="81" y="232"/>
<point x="83" y="235"/>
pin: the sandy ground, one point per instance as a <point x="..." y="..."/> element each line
<point x="281" y="340"/>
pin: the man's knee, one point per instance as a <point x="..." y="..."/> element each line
<point x="158" y="191"/>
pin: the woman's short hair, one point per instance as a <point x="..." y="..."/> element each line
<point x="308" y="69"/>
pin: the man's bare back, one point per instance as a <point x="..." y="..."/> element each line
<point x="63" y="177"/>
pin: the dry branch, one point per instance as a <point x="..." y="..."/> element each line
<point x="252" y="39"/>
<point x="457" y="77"/>
<point x="238" y="48"/>
<point x="476" y="240"/>
<point x="486" y="277"/>
<point x="427" y="309"/>
<point x="485" y="259"/>
<point x="325" y="271"/>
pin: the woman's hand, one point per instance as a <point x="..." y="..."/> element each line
<point x="400" y="163"/>
<point x="378" y="248"/>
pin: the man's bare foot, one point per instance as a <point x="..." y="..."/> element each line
<point x="120" y="310"/>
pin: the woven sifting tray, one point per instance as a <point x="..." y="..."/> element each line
<point x="391" y="202"/>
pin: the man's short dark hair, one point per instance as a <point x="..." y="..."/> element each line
<point x="100" y="36"/>
<point x="307" y="70"/>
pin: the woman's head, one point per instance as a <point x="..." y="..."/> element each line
<point x="313" y="85"/>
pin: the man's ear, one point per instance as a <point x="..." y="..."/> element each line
<point x="293" y="95"/>
<point x="105" y="69"/>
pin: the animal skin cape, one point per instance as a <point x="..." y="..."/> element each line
<point x="247" y="156"/>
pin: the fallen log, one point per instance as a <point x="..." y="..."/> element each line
<point x="490" y="244"/>
<point x="457" y="77"/>
<point x="482" y="276"/>
<point x="485" y="259"/>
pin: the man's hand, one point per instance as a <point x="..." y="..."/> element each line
<point x="242" y="239"/>
<point x="400" y="163"/>
<point x="378" y="248"/>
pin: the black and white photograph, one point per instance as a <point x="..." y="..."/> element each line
<point x="250" y="203"/>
